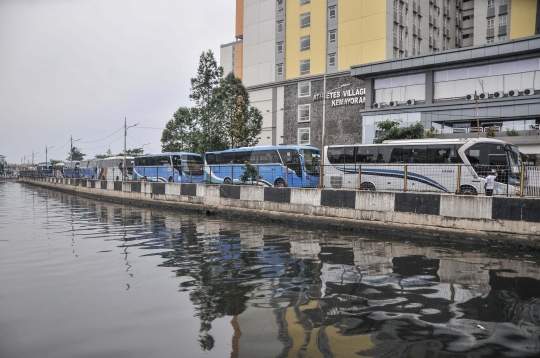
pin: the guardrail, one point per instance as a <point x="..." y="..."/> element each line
<point x="440" y="178"/>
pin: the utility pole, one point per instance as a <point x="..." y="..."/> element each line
<point x="477" y="119"/>
<point x="125" y="136"/>
<point x="46" y="149"/>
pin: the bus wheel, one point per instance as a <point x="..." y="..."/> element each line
<point x="280" y="184"/>
<point x="227" y="181"/>
<point x="367" y="186"/>
<point x="171" y="179"/>
<point x="467" y="190"/>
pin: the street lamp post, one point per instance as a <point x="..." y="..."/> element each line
<point x="142" y="147"/>
<point x="321" y="171"/>
<point x="46" y="150"/>
<point x="33" y="157"/>
<point x="125" y="135"/>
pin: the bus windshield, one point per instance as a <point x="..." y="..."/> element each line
<point x="514" y="158"/>
<point x="192" y="164"/>
<point x="312" y="160"/>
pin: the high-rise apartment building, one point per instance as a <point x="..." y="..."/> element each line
<point x="285" y="48"/>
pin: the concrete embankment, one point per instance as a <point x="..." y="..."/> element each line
<point x="413" y="214"/>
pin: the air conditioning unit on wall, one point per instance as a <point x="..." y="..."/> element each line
<point x="513" y="93"/>
<point x="378" y="105"/>
<point x="528" y="92"/>
<point x="484" y="95"/>
<point x="393" y="103"/>
<point x="469" y="97"/>
<point x="498" y="94"/>
<point x="411" y="102"/>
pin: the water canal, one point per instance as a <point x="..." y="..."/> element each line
<point x="85" y="278"/>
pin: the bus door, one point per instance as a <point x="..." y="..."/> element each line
<point x="291" y="159"/>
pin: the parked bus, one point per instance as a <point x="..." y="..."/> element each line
<point x="431" y="165"/>
<point x="45" y="170"/>
<point x="88" y="169"/>
<point x="71" y="169"/>
<point x="58" y="170"/>
<point x="177" y="167"/>
<point x="279" y="166"/>
<point x="111" y="168"/>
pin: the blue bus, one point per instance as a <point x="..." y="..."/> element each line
<point x="88" y="169"/>
<point x="176" y="167"/>
<point x="45" y="170"/>
<point x="71" y="169"/>
<point x="278" y="166"/>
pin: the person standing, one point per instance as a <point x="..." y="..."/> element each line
<point x="490" y="183"/>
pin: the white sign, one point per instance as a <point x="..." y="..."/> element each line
<point x="341" y="98"/>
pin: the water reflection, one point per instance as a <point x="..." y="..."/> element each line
<point x="299" y="293"/>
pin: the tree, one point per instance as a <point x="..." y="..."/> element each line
<point x="54" y="161"/>
<point x="207" y="134"/>
<point x="250" y="173"/>
<point x="131" y="152"/>
<point x="222" y="117"/>
<point x="106" y="155"/>
<point x="241" y="123"/>
<point x="75" y="154"/>
<point x="392" y="130"/>
<point x="177" y="135"/>
<point x="3" y="163"/>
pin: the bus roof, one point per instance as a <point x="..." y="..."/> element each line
<point x="117" y="157"/>
<point x="166" y="153"/>
<point x="425" y="141"/>
<point x="268" y="147"/>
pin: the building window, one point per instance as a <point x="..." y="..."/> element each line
<point x="305" y="20"/>
<point x="332" y="12"/>
<point x="303" y="136"/>
<point x="394" y="30"/>
<point x="279" y="69"/>
<point x="304" y="89"/>
<point x="332" y="36"/>
<point x="280" y="47"/>
<point x="491" y="3"/>
<point x="280" y="26"/>
<point x="305" y="43"/>
<point x="280" y="5"/>
<point x="305" y="67"/>
<point x="331" y="60"/>
<point x="502" y="38"/>
<point x="503" y="2"/>
<point x="490" y="40"/>
<point x="395" y="5"/>
<point x="304" y="2"/>
<point x="303" y="112"/>
<point x="502" y="20"/>
<point x="395" y="54"/>
<point x="401" y="33"/>
<point x="491" y="23"/>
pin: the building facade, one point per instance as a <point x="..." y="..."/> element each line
<point x="281" y="44"/>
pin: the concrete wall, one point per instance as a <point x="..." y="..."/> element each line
<point x="503" y="218"/>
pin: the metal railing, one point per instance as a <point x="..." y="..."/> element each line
<point x="437" y="178"/>
<point x="521" y="127"/>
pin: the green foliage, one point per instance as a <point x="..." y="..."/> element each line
<point x="490" y="132"/>
<point x="75" y="154"/>
<point x="222" y="117"/>
<point x="430" y="133"/>
<point x="177" y="135"/>
<point x="106" y="155"/>
<point x="511" y="133"/>
<point x="392" y="130"/>
<point x="3" y="163"/>
<point x="54" y="161"/>
<point x="250" y="173"/>
<point x="131" y="152"/>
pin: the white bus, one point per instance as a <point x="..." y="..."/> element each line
<point x="432" y="165"/>
<point x="111" y="168"/>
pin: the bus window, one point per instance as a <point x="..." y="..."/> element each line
<point x="210" y="158"/>
<point x="348" y="155"/>
<point x="264" y="157"/>
<point x="335" y="155"/>
<point x="176" y="161"/>
<point x="367" y="154"/>
<point x="441" y="154"/>
<point x="415" y="154"/>
<point x="478" y="153"/>
<point x="384" y="155"/>
<point x="164" y="160"/>
<point x="289" y="156"/>
<point x="397" y="155"/>
<point x="227" y="158"/>
<point x="497" y="159"/>
<point x="193" y="164"/>
<point x="242" y="157"/>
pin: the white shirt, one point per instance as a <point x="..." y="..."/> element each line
<point x="490" y="181"/>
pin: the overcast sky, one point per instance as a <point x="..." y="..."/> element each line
<point x="78" y="67"/>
